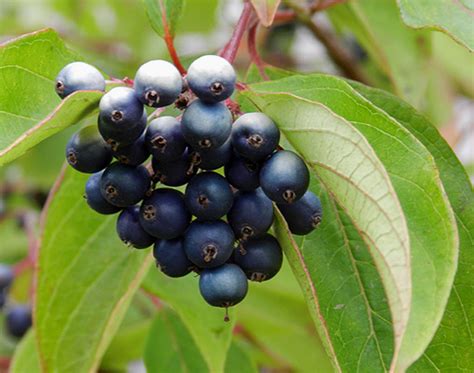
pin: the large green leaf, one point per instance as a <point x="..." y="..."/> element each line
<point x="413" y="174"/>
<point x="30" y="110"/>
<point x="400" y="52"/>
<point x="26" y="357"/>
<point x="205" y="323"/>
<point x="85" y="280"/>
<point x="164" y="15"/>
<point x="453" y="345"/>
<point x="170" y="346"/>
<point x="454" y="17"/>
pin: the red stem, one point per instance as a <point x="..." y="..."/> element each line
<point x="287" y="15"/>
<point x="170" y="41"/>
<point x="230" y="49"/>
<point x="252" y="45"/>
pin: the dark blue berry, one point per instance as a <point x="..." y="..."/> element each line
<point x="18" y="320"/>
<point x="174" y="173"/>
<point x="284" y="177"/>
<point x="164" y="139"/>
<point x="78" y="76"/>
<point x="130" y="230"/>
<point x="251" y="214"/>
<point x="214" y="158"/>
<point x="242" y="173"/>
<point x="164" y="214"/>
<point x="224" y="286"/>
<point x="87" y="151"/>
<point x="134" y="154"/>
<point x="94" y="197"/>
<point x="260" y="258"/>
<point x="122" y="117"/>
<point x="157" y="83"/>
<point x="171" y="258"/>
<point x="304" y="215"/>
<point x="208" y="196"/>
<point x="206" y="126"/>
<point x="255" y="136"/>
<point x="209" y="243"/>
<point x="6" y="276"/>
<point x="211" y="78"/>
<point x="123" y="185"/>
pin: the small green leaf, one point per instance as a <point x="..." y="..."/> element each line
<point x="30" y="110"/>
<point x="238" y="361"/>
<point x="164" y="15"/>
<point x="454" y="17"/>
<point x="170" y="346"/>
<point x="266" y="10"/>
<point x="206" y="324"/>
<point x="85" y="281"/>
<point x="26" y="357"/>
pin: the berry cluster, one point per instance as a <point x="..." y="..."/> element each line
<point x="17" y="317"/>
<point x="186" y="151"/>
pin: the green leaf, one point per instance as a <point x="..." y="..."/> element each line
<point x="85" y="281"/>
<point x="456" y="329"/>
<point x="266" y="10"/>
<point x="274" y="313"/>
<point x="26" y="357"/>
<point x="164" y="15"/>
<point x="238" y="361"/>
<point x="30" y="110"/>
<point x="330" y="143"/>
<point x="170" y="346"/>
<point x="401" y="53"/>
<point x="454" y="17"/>
<point x="205" y="323"/>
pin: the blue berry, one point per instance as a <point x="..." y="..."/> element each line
<point x="134" y="154"/>
<point x="171" y="258"/>
<point x="284" y="177"/>
<point x="164" y="139"/>
<point x="224" y="286"/>
<point x="206" y="126"/>
<point x="209" y="243"/>
<point x="6" y="276"/>
<point x="174" y="173"/>
<point x="214" y="158"/>
<point x="87" y="152"/>
<point x="251" y="214"/>
<point x="158" y="83"/>
<point x="130" y="230"/>
<point x="164" y="214"/>
<point x="208" y="196"/>
<point x="211" y="78"/>
<point x="123" y="185"/>
<point x="78" y="76"/>
<point x="255" y="136"/>
<point x="242" y="173"/>
<point x="122" y="117"/>
<point x="304" y="215"/>
<point x="94" y="197"/>
<point x="18" y="320"/>
<point x="260" y="258"/>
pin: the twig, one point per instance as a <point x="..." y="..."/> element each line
<point x="230" y="49"/>
<point x="338" y="54"/>
<point x="252" y="45"/>
<point x="169" y="40"/>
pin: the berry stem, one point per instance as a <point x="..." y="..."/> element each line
<point x="230" y="49"/>
<point x="252" y="45"/>
<point x="169" y="40"/>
